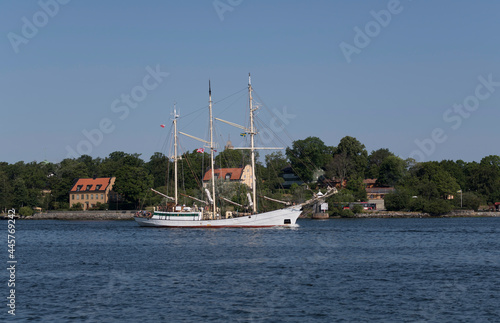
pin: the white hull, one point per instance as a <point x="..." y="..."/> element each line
<point x="283" y="217"/>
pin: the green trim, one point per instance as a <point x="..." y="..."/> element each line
<point x="176" y="214"/>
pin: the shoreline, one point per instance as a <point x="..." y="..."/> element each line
<point x="399" y="214"/>
<point x="127" y="215"/>
<point x="84" y="215"/>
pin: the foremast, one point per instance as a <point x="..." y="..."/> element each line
<point x="252" y="144"/>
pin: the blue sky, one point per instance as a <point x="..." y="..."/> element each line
<point x="396" y="88"/>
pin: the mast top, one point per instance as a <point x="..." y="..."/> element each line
<point x="209" y="88"/>
<point x="249" y="79"/>
<point x="174" y="113"/>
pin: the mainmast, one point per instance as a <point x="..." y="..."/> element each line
<point x="211" y="146"/>
<point x="252" y="144"/>
<point x="252" y="132"/>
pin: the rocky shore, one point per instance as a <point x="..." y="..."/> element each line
<point x="397" y="214"/>
<point x="83" y="215"/>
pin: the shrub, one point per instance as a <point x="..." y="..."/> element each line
<point x="26" y="211"/>
<point x="102" y="206"/>
<point x="397" y="201"/>
<point x="77" y="206"/>
<point x="438" y="207"/>
<point x="357" y="209"/>
<point x="347" y="213"/>
<point x="341" y="212"/>
<point x="470" y="201"/>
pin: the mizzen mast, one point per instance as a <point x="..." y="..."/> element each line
<point x="175" y="155"/>
<point x="212" y="147"/>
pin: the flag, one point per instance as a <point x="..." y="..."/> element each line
<point x="243" y="134"/>
<point x="200" y="150"/>
<point x="162" y="125"/>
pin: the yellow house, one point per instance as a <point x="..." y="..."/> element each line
<point x="90" y="191"/>
<point x="239" y="175"/>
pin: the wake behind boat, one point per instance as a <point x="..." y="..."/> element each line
<point x="209" y="215"/>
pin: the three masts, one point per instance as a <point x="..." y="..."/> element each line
<point x="177" y="216"/>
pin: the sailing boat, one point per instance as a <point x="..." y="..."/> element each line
<point x="209" y="216"/>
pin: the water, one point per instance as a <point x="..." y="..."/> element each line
<point x="410" y="270"/>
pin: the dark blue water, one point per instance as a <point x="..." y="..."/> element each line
<point x="410" y="270"/>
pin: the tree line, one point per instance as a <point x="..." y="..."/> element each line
<point x="423" y="186"/>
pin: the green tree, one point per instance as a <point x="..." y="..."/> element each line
<point x="132" y="183"/>
<point x="398" y="200"/>
<point x="391" y="171"/>
<point x="356" y="152"/>
<point x="270" y="176"/>
<point x="232" y="158"/>
<point x="357" y="188"/>
<point x="5" y="190"/>
<point x="118" y="159"/>
<point x="457" y="170"/>
<point x="158" y="167"/>
<point x="468" y="200"/>
<point x="307" y="155"/>
<point x="437" y="207"/>
<point x="340" y="166"/>
<point x="430" y="181"/>
<point x="26" y="211"/>
<point x="375" y="160"/>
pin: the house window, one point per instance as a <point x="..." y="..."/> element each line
<point x="91" y="196"/>
<point x="228" y="176"/>
<point x="77" y="197"/>
<point x="78" y="188"/>
<point x="87" y="196"/>
<point x="102" y="196"/>
<point x="98" y="187"/>
<point x="88" y="187"/>
<point x="82" y="197"/>
<point x="72" y="197"/>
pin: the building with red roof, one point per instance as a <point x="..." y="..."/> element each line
<point x="238" y="175"/>
<point x="90" y="191"/>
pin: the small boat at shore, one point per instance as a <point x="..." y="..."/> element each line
<point x="209" y="216"/>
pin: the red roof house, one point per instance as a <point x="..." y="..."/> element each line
<point x="90" y="191"/>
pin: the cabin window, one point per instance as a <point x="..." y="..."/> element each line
<point x="287" y="221"/>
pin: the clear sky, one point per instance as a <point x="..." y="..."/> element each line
<point x="421" y="78"/>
